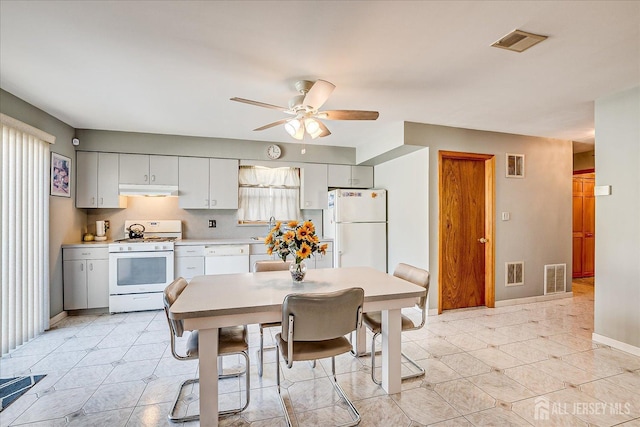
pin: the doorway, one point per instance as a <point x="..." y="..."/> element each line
<point x="584" y="237"/>
<point x="466" y="188"/>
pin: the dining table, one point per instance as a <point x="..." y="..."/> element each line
<point x="211" y="302"/>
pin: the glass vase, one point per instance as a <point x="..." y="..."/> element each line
<point x="298" y="271"/>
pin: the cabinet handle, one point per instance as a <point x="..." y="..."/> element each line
<point x="146" y="178"/>
<point x="153" y="178"/>
<point x="214" y="202"/>
<point x="91" y="267"/>
<point x="191" y="252"/>
<point x="191" y="268"/>
<point x="101" y="201"/>
<point x="93" y="201"/>
<point x="81" y="267"/>
<point x="86" y="253"/>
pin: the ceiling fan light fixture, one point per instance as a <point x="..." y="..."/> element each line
<point x="295" y="128"/>
<point x="312" y="127"/>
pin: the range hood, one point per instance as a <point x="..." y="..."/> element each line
<point x="147" y="190"/>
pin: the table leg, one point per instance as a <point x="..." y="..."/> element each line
<point x="208" y="373"/>
<point x="391" y="349"/>
<point x="360" y="345"/>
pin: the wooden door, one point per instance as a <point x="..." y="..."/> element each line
<point x="583" y="225"/>
<point x="466" y="230"/>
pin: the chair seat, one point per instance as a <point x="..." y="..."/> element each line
<point x="270" y="325"/>
<point x="312" y="350"/>
<point x="373" y="320"/>
<point x="232" y="339"/>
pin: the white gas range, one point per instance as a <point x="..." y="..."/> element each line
<point x="141" y="266"/>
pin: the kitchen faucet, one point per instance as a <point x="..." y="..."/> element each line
<point x="272" y="222"/>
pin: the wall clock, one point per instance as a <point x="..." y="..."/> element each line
<point x="274" y="151"/>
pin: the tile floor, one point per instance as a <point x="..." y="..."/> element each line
<point x="531" y="364"/>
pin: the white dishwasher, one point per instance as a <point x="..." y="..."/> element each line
<point x="226" y="259"/>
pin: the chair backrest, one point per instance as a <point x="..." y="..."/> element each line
<point x="324" y="316"/>
<point x="416" y="276"/>
<point x="276" y="265"/>
<point x="170" y="295"/>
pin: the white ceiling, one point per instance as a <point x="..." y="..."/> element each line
<point x="170" y="67"/>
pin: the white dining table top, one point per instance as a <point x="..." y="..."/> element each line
<point x="231" y="294"/>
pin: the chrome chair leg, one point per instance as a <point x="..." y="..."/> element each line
<point x="420" y="369"/>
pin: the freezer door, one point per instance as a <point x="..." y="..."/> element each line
<point x="360" y="205"/>
<point x="361" y="245"/>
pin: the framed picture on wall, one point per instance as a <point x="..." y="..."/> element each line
<point x="60" y="175"/>
<point x="515" y="165"/>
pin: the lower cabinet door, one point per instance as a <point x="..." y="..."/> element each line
<point x="97" y="283"/>
<point x="75" y="284"/>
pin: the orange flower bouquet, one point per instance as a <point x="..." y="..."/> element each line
<point x="295" y="239"/>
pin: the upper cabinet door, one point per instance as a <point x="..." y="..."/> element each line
<point x="313" y="186"/>
<point x="339" y="176"/>
<point x="223" y="184"/>
<point x="163" y="170"/>
<point x="134" y="169"/>
<point x="362" y="176"/>
<point x="108" y="196"/>
<point x="193" y="181"/>
<point x="87" y="179"/>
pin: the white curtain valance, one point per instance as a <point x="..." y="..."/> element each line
<point x="25" y="128"/>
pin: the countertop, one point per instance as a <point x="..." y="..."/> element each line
<point x="183" y="242"/>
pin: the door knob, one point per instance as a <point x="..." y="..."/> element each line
<point x="482" y="240"/>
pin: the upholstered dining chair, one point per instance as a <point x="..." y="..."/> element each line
<point x="260" y="266"/>
<point x="373" y="320"/>
<point x="314" y="327"/>
<point x="231" y="340"/>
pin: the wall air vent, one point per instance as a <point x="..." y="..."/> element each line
<point x="519" y="41"/>
<point x="555" y="278"/>
<point x="514" y="273"/>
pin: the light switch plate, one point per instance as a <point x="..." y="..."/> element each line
<point x="506" y="216"/>
<point x="602" y="190"/>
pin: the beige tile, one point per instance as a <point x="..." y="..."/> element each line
<point x="495" y="358"/>
<point x="564" y="371"/>
<point x="438" y="346"/>
<point x="114" y="396"/>
<point x="381" y="411"/>
<point x="587" y="408"/>
<point x="524" y="352"/>
<point x="590" y="362"/>
<point x="424" y="406"/>
<point x="618" y="398"/>
<point x="464" y="396"/>
<point x="496" y="417"/>
<point x="628" y="380"/>
<point x="501" y="387"/>
<point x="436" y="371"/>
<point x="465" y="365"/>
<point x="466" y="342"/>
<point x="534" y="379"/>
<point x="541" y="412"/>
<point x="56" y="404"/>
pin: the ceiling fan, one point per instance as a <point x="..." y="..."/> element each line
<point x="305" y="110"/>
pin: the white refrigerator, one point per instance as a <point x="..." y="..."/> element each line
<point x="356" y="220"/>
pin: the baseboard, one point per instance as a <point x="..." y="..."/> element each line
<point x="529" y="300"/>
<point x="618" y="345"/>
<point x="432" y="312"/>
<point x="58" y="317"/>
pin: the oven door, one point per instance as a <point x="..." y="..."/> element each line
<point x="140" y="272"/>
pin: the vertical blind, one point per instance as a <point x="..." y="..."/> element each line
<point x="24" y="300"/>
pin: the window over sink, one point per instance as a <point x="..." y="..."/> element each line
<point x="266" y="193"/>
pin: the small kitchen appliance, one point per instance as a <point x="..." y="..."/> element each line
<point x="142" y="264"/>
<point x="357" y="221"/>
<point x="101" y="231"/>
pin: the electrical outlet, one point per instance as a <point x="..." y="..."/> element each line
<point x="212" y="223"/>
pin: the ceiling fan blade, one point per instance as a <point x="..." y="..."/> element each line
<point x="348" y="115"/>
<point x="325" y="130"/>
<point x="270" y="125"/>
<point x="318" y="94"/>
<point x="260" y="104"/>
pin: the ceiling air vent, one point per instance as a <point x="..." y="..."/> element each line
<point x="518" y="41"/>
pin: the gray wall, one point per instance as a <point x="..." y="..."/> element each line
<point x="539" y="231"/>
<point x="617" y="294"/>
<point x="64" y="219"/>
<point x="407" y="181"/>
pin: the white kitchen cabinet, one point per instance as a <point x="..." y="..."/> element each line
<point x="208" y="183"/>
<point x="86" y="278"/>
<point x="189" y="261"/>
<point x="97" y="180"/>
<point x="258" y="252"/>
<point x="313" y="186"/>
<point x="148" y="169"/>
<point x="326" y="260"/>
<point x="346" y="176"/>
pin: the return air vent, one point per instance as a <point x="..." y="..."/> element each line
<point x="519" y="41"/>
<point x="514" y="273"/>
<point x="555" y="278"/>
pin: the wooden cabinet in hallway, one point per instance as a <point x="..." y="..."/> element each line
<point x="584" y="236"/>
